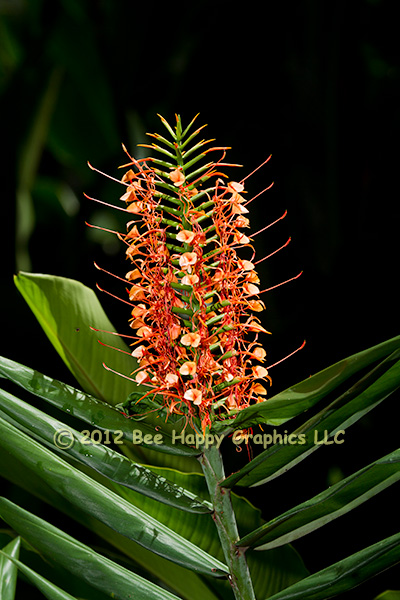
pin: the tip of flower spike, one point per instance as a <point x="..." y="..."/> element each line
<point x="90" y="166"/>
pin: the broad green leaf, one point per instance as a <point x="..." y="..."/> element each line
<point x="184" y="582"/>
<point x="389" y="595"/>
<point x="85" y="407"/>
<point x="95" y="499"/>
<point x="97" y="456"/>
<point x="330" y="504"/>
<point x="82" y="561"/>
<point x="346" y="574"/>
<point x="335" y="418"/>
<point x="8" y="570"/>
<point x="48" y="589"/>
<point x="293" y="401"/>
<point x="271" y="570"/>
<point x="66" y="310"/>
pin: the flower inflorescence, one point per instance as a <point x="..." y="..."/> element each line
<point x="193" y="296"/>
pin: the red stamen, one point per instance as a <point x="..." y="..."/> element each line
<point x="107" y="204"/>
<point x="259" y="194"/>
<point x="282" y="283"/>
<point x="113" y="296"/>
<point x="131" y="337"/>
<point x="272" y="253"/>
<point x="255" y="170"/>
<point x="270" y="225"/>
<point x="288" y="356"/>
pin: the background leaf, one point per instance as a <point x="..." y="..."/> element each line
<point x="330" y="504"/>
<point x="78" y="558"/>
<point x="66" y="310"/>
<point x="8" y="570"/>
<point x="345" y="574"/>
<point x="48" y="589"/>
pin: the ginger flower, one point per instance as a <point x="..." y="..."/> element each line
<point x="138" y="352"/>
<point x="187" y="260"/>
<point x="240" y="238"/>
<point x="188" y="368"/>
<point x="194" y="396"/>
<point x="250" y="288"/>
<point x="191" y="339"/>
<point x="190" y="279"/>
<point x="171" y="379"/>
<point x="145" y="332"/>
<point x="259" y="353"/>
<point x="141" y="377"/>
<point x="245" y="265"/>
<point x="260" y="372"/>
<point x="177" y="177"/>
<point x="185" y="236"/>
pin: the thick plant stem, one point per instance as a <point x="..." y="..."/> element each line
<point x="225" y="521"/>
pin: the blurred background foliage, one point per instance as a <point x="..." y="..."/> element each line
<point x="317" y="84"/>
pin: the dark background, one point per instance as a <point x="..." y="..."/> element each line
<point x="317" y="84"/>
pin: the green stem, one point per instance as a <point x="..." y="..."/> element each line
<point x="225" y="521"/>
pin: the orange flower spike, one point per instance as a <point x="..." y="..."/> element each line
<point x="193" y="296"/>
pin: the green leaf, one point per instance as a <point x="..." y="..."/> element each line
<point x="48" y="589"/>
<point x="184" y="582"/>
<point x="95" y="499"/>
<point x="294" y="400"/>
<point x="85" y="407"/>
<point x="271" y="570"/>
<point x="389" y="595"/>
<point x="79" y="559"/>
<point x="335" y="418"/>
<point x="66" y="310"/>
<point x="346" y="574"/>
<point x="8" y="570"/>
<point x="97" y="456"/>
<point x="330" y="504"/>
